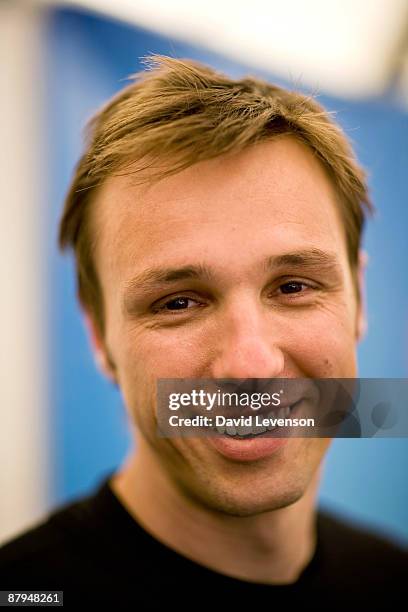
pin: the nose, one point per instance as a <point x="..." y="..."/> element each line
<point x="248" y="344"/>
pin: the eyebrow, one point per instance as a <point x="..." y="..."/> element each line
<point x="153" y="278"/>
<point x="312" y="258"/>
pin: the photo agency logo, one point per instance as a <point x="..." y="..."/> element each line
<point x="300" y="407"/>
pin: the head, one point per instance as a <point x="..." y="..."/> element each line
<point x="198" y="198"/>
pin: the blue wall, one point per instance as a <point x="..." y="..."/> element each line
<point x="88" y="58"/>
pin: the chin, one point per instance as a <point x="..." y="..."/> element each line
<point x="235" y="502"/>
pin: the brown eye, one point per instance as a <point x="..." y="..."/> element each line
<point x="176" y="304"/>
<point x="292" y="287"/>
<point x="179" y="303"/>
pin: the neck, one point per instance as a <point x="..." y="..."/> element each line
<point x="272" y="547"/>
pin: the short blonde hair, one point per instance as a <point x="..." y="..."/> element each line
<point x="181" y="112"/>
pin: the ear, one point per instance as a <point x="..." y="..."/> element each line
<point x="361" y="323"/>
<point x="102" y="358"/>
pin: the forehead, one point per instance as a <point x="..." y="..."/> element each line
<point x="275" y="195"/>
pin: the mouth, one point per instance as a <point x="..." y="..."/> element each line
<point x="252" y="426"/>
<point x="251" y="443"/>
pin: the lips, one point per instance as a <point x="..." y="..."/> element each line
<point x="260" y="444"/>
<point x="245" y="450"/>
<point x="238" y="428"/>
<point x="237" y="444"/>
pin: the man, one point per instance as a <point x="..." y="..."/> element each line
<point x="216" y="226"/>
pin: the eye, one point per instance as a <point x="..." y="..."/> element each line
<point x="292" y="287"/>
<point x="176" y="304"/>
<point x="296" y="289"/>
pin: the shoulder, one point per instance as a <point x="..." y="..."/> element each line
<point x="50" y="549"/>
<point x="356" y="556"/>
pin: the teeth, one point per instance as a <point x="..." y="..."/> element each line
<point x="258" y="429"/>
<point x="271" y="416"/>
<point x="244" y="430"/>
<point x="284" y="412"/>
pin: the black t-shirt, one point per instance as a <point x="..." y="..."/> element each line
<point x="95" y="551"/>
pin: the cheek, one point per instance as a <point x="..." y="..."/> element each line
<point x="172" y="353"/>
<point x="145" y="356"/>
<point x="323" y="344"/>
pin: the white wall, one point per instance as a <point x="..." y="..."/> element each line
<point x="24" y="411"/>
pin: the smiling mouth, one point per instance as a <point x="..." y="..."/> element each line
<point x="239" y="430"/>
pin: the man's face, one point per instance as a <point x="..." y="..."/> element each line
<point x="230" y="219"/>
